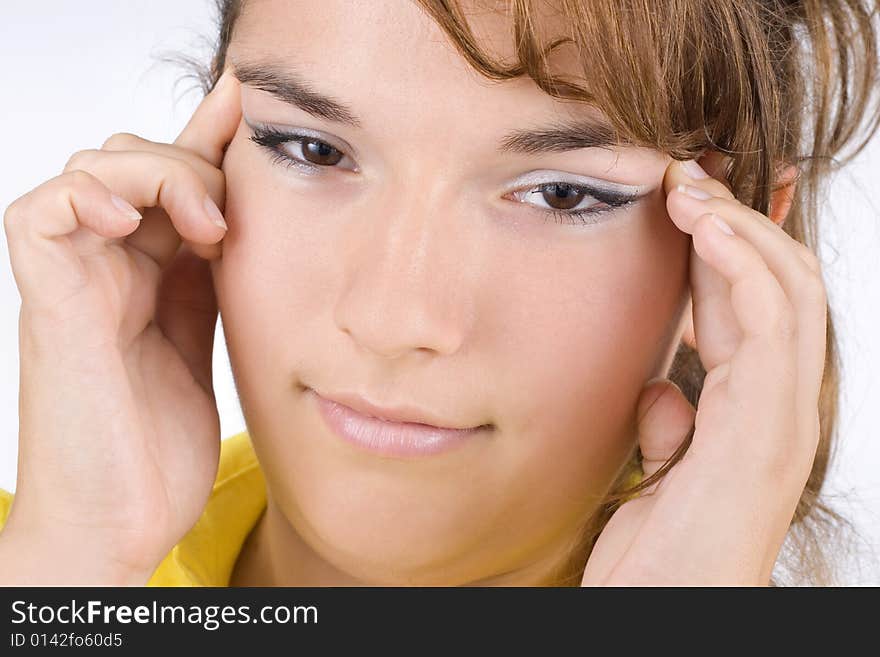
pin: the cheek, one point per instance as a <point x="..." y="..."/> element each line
<point x="567" y="328"/>
<point x="583" y="325"/>
<point x="272" y="281"/>
<point x="278" y="225"/>
<point x="278" y="254"/>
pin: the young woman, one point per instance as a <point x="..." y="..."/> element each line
<point x="514" y="294"/>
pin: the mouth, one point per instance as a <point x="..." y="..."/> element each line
<point x="392" y="432"/>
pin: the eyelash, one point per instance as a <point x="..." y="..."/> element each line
<point x="272" y="138"/>
<point x="613" y="201"/>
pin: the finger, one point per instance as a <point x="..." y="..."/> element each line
<point x="215" y="121"/>
<point x="717" y="165"/>
<point x="211" y="175"/>
<point x="794" y="266"/>
<point x="759" y="301"/>
<point x="158" y="219"/>
<point x="692" y="173"/>
<point x="47" y="269"/>
<point x="792" y="259"/>
<point x="208" y="133"/>
<point x="680" y="174"/>
<point x="763" y="373"/>
<point x="665" y="418"/>
<point x="186" y="312"/>
<point x="148" y="180"/>
<point x="800" y="276"/>
<point x="716" y="332"/>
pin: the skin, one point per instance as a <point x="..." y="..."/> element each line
<point x="449" y="282"/>
<point x="413" y="280"/>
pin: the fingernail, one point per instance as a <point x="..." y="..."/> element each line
<point x="125" y="208"/>
<point x="694" y="170"/>
<point x="694" y="192"/>
<point x="722" y="224"/>
<point x="214" y="213"/>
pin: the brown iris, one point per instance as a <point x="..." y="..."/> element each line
<point x="319" y="152"/>
<point x="567" y="195"/>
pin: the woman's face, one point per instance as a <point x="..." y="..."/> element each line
<point x="420" y="264"/>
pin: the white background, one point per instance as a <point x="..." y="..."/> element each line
<point x="73" y="73"/>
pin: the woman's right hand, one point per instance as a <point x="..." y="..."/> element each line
<point x="119" y="434"/>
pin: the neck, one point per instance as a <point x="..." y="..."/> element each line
<point x="274" y="554"/>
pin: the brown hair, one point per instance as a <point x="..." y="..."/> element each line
<point x="765" y="82"/>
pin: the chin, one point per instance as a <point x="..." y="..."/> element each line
<point x="384" y="533"/>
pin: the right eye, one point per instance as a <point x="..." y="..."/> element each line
<point x="296" y="149"/>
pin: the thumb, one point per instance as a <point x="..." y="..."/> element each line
<point x="665" y="419"/>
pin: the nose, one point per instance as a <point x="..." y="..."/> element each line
<point x="404" y="287"/>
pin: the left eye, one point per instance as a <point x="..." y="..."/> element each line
<point x="559" y="196"/>
<point x="573" y="203"/>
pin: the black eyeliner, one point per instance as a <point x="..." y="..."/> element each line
<point x="271" y="137"/>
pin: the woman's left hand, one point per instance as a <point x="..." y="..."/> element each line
<point x="720" y="516"/>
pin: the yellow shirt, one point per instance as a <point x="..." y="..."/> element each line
<point x="206" y="555"/>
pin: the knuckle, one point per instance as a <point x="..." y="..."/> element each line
<point x="813" y="292"/>
<point x="77" y="178"/>
<point x="785" y="326"/>
<point x="80" y="160"/>
<point x="718" y="205"/>
<point x="718" y="189"/>
<point x="185" y="171"/>
<point x="178" y="178"/>
<point x="120" y="141"/>
<point x="763" y="219"/>
<point x="780" y="320"/>
<point x="777" y="456"/>
<point x="810" y="259"/>
<point x="789" y="460"/>
<point x="729" y="207"/>
<point x="778" y="465"/>
<point x="15" y="211"/>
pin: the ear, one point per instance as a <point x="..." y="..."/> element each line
<point x="687" y="335"/>
<point x="781" y="199"/>
<point x="780" y="204"/>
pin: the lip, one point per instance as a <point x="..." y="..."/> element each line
<point x="397" y="432"/>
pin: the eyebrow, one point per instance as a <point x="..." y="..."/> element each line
<point x="560" y="137"/>
<point x="291" y="87"/>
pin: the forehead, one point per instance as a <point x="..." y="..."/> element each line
<point x="393" y="54"/>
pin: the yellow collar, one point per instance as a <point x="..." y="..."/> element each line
<point x="206" y="555"/>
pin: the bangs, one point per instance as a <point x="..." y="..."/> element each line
<point x="678" y="76"/>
